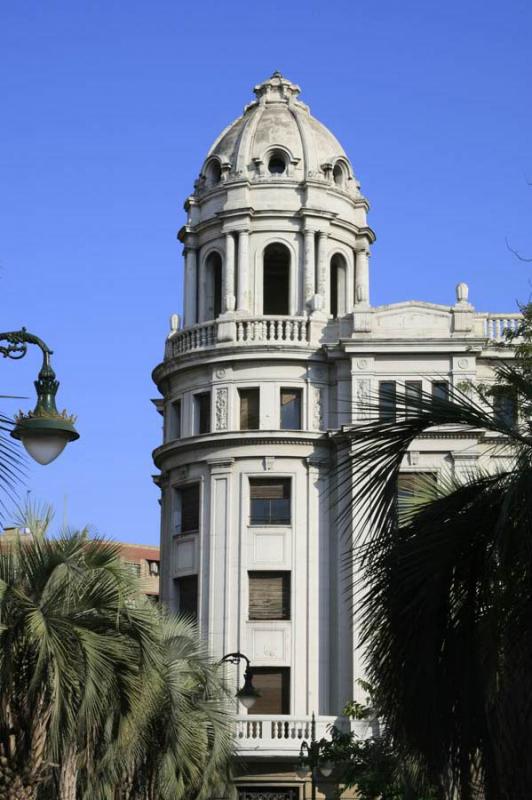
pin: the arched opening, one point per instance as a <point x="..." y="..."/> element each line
<point x="338" y="278"/>
<point x="276" y="280"/>
<point x="277" y="163"/>
<point x="338" y="174"/>
<point x="213" y="173"/>
<point x="213" y="305"/>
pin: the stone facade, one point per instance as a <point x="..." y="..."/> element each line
<point x="277" y="319"/>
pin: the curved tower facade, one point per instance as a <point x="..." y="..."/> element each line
<point x="277" y="346"/>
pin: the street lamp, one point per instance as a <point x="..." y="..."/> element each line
<point x="310" y="758"/>
<point x="45" y="431"/>
<point x="247" y="695"/>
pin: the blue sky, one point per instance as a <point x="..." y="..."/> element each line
<point x="108" y="109"/>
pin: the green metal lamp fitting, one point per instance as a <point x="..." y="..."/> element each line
<point x="45" y="431"/>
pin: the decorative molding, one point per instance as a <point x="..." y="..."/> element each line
<point x="221" y="408"/>
<point x="413" y="458"/>
<point x="268" y="462"/>
<point x="317" y="409"/>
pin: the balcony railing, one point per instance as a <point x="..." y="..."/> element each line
<point x="285" y="734"/>
<point x="496" y="325"/>
<point x="266" y="330"/>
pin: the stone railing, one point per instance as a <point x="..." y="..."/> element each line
<point x="287" y="330"/>
<point x="285" y="734"/>
<point x="265" y="330"/>
<point x="494" y="326"/>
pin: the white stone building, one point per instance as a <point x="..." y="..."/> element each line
<point x="278" y="346"/>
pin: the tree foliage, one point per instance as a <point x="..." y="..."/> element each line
<point x="446" y="599"/>
<point x="102" y="695"/>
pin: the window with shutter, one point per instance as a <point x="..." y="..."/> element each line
<point x="187" y="511"/>
<point x="249" y="409"/>
<point x="291" y="409"/>
<point x="440" y="390"/>
<point x="202" y="412"/>
<point x="412" y="487"/>
<point x="269" y="595"/>
<point x="187" y="595"/>
<point x="504" y="405"/>
<point x="273" y="684"/>
<point x="387" y="401"/>
<point x="413" y="392"/>
<point x="269" y="501"/>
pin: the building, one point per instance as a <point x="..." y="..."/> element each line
<point x="278" y="348"/>
<point x="141" y="559"/>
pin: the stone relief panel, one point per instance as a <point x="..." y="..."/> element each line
<point x="221" y="408"/>
<point x="318" y="422"/>
<point x="269" y="644"/>
<point x="362" y="394"/>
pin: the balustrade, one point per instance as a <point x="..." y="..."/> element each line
<point x="496" y="325"/>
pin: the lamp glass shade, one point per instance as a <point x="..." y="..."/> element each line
<point x="247" y="700"/>
<point x="326" y="768"/>
<point x="301" y="771"/>
<point x="44" y="447"/>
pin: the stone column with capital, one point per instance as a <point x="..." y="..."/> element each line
<point x="362" y="277"/>
<point x="190" y="309"/>
<point x="229" y="273"/>
<point x="310" y="266"/>
<point x="243" y="271"/>
<point x="321" y="288"/>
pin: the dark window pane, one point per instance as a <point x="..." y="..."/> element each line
<point x="387" y="402"/>
<point x="274" y="685"/>
<point x="440" y="390"/>
<point x="412" y="486"/>
<point x="291" y="409"/>
<point x="276" y="280"/>
<point x="269" y="501"/>
<point x="187" y="595"/>
<point x="187" y="509"/>
<point x="249" y="409"/>
<point x="202" y="412"/>
<point x="269" y="595"/>
<point x="413" y="391"/>
<point x="176" y="419"/>
<point x="504" y="406"/>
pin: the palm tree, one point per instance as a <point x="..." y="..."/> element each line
<point x="446" y="591"/>
<point x="85" y="661"/>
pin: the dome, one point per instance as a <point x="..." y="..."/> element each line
<point x="277" y="139"/>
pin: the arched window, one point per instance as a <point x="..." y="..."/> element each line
<point x="276" y="280"/>
<point x="213" y="173"/>
<point x="213" y="304"/>
<point x="277" y="163"/>
<point x="339" y="174"/>
<point x="338" y="278"/>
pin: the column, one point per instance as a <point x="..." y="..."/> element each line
<point x="243" y="271"/>
<point x="190" y="305"/>
<point x="362" y="277"/>
<point x="310" y="262"/>
<point x="322" y="266"/>
<point x="229" y="273"/>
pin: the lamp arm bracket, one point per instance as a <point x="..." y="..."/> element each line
<point x="235" y="658"/>
<point x="18" y="345"/>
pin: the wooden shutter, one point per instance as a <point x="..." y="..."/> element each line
<point x="269" y="595"/>
<point x="190" y="508"/>
<point x="274" y="686"/>
<point x="249" y="409"/>
<point x="267" y="489"/>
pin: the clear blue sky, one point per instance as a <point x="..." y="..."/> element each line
<point x="108" y="109"/>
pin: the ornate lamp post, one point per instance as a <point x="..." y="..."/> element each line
<point x="310" y="758"/>
<point x="247" y="694"/>
<point x="45" y="431"/>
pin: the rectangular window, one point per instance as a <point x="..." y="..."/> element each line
<point x="440" y="390"/>
<point x="269" y="501"/>
<point x="187" y="511"/>
<point x="291" y="409"/>
<point x="504" y="405"/>
<point x="202" y="412"/>
<point x="187" y="595"/>
<point x="175" y="424"/>
<point x="387" y="401"/>
<point x="412" y="486"/>
<point x="413" y="392"/>
<point x="273" y="683"/>
<point x="249" y="409"/>
<point x="269" y="595"/>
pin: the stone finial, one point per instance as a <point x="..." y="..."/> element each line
<point x="174" y="324"/>
<point x="462" y="293"/>
<point x="276" y="89"/>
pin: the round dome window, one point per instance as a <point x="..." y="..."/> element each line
<point x="276" y="164"/>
